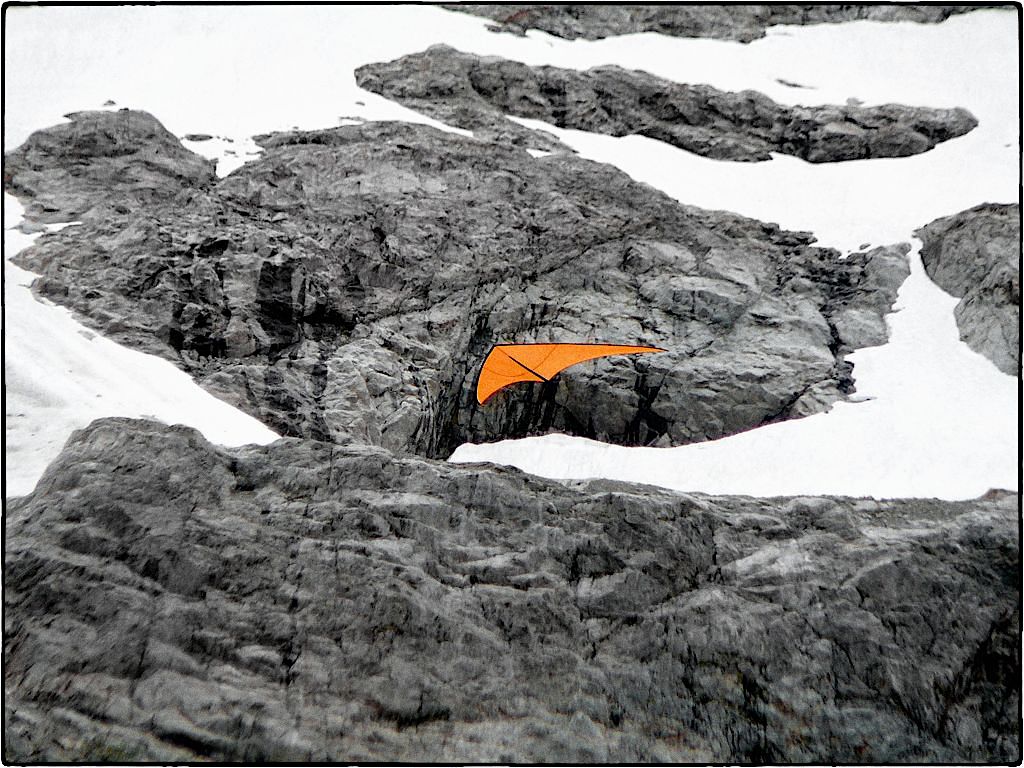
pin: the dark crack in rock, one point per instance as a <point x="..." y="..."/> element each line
<point x="730" y="21"/>
<point x="169" y="601"/>
<point x="347" y="284"/>
<point x="975" y="255"/>
<point x="476" y="92"/>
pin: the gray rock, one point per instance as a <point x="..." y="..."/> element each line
<point x="404" y="253"/>
<point x="165" y="600"/>
<point x="62" y="173"/>
<point x="975" y="255"/>
<point x="724" y="21"/>
<point x="476" y="92"/>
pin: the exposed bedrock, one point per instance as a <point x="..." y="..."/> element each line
<point x="347" y="285"/>
<point x="169" y="601"/>
<point x="476" y="92"/>
<point x="724" y="21"/>
<point x="975" y="255"/>
<point x="126" y="159"/>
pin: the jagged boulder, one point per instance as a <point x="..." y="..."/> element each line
<point x="165" y="600"/>
<point x="476" y="92"/>
<point x="975" y="255"/>
<point x="347" y="284"/>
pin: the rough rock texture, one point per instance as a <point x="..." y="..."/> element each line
<point x="475" y="92"/>
<point x="62" y="173"/>
<point x="169" y="601"/>
<point x="726" y="22"/>
<point x="975" y="255"/>
<point x="347" y="284"/>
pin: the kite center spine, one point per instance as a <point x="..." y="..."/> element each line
<point x="526" y="367"/>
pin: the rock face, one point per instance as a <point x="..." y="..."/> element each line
<point x="975" y="255"/>
<point x="476" y="92"/>
<point x="126" y="158"/>
<point x="347" y="284"/>
<point x="727" y="22"/>
<point x="169" y="601"/>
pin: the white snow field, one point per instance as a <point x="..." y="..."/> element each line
<point x="942" y="421"/>
<point x="59" y="376"/>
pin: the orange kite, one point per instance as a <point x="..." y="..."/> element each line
<point x="512" y="363"/>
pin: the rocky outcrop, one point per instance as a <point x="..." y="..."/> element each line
<point x="975" y="255"/>
<point x="169" y="601"/>
<point x="726" y="22"/>
<point x="347" y="284"/>
<point x="63" y="173"/>
<point x="476" y="92"/>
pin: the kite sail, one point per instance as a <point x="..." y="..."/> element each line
<point x="512" y="363"/>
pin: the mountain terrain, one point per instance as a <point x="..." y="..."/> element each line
<point x="346" y="594"/>
<point x="347" y="283"/>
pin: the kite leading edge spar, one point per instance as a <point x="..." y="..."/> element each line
<point x="508" y="364"/>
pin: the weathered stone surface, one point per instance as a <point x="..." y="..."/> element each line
<point x="476" y="92"/>
<point x="975" y="255"/>
<point x="724" y="21"/>
<point x="166" y="600"/>
<point x="347" y="284"/>
<point x="64" y="172"/>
